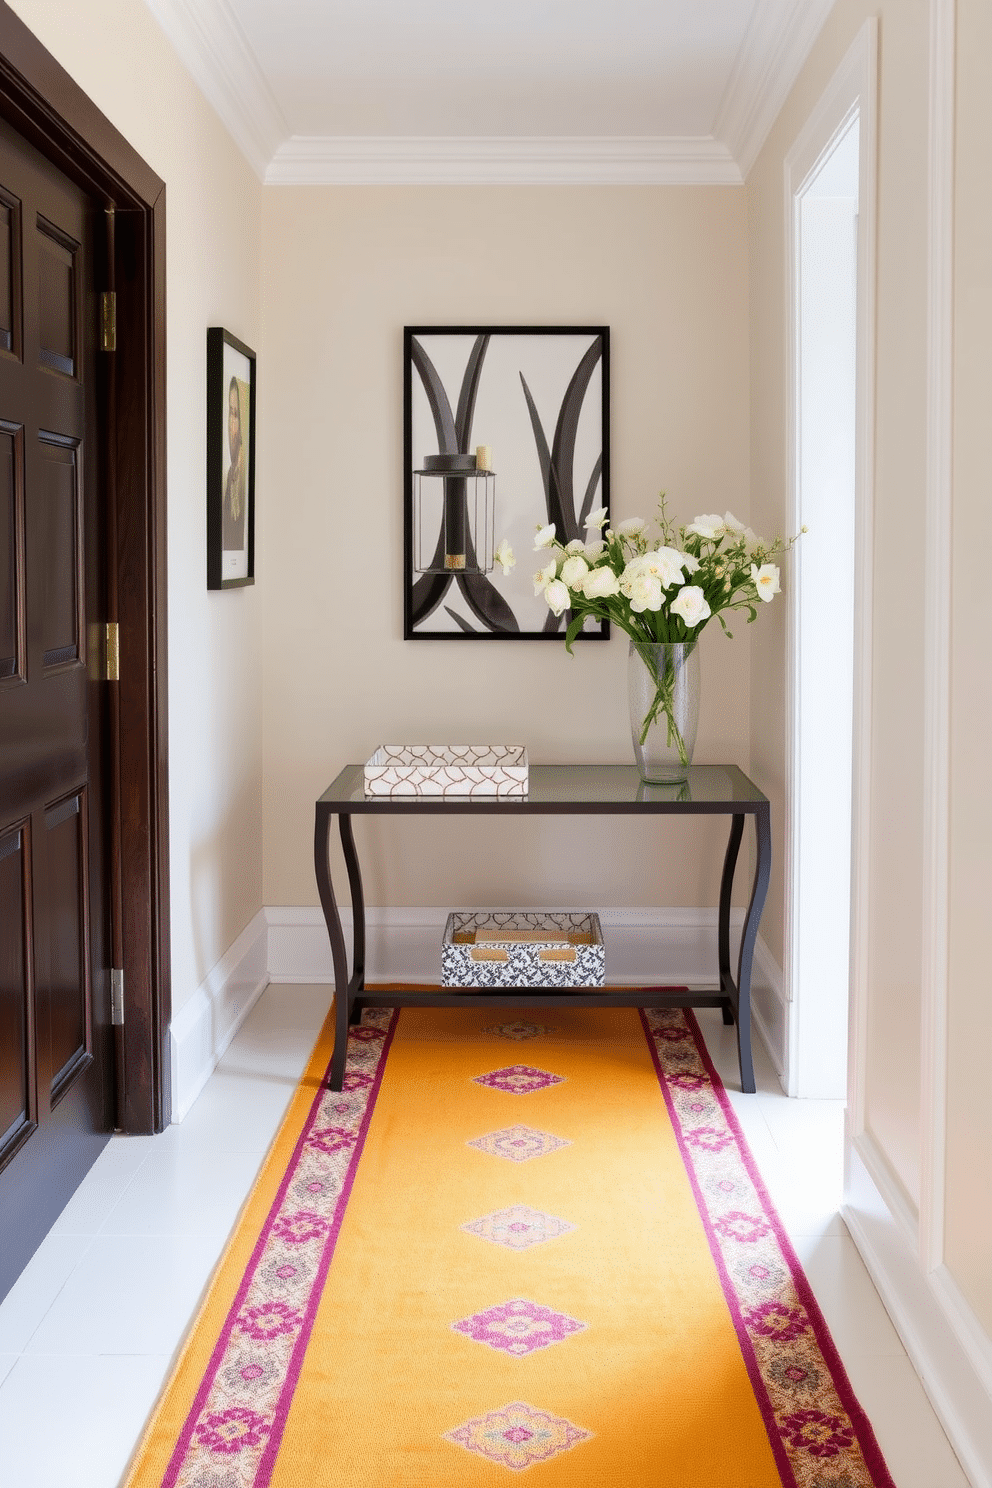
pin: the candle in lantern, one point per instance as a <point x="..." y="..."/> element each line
<point x="454" y="521"/>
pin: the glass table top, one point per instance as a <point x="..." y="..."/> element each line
<point x="721" y="789"/>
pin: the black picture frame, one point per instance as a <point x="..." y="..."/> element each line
<point x="230" y="499"/>
<point x="538" y="397"/>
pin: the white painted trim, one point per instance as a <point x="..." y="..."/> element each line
<point x="854" y="87"/>
<point x="937" y="635"/>
<point x="773" y="55"/>
<point x="206" y="1023"/>
<point x="943" y="1338"/>
<point x="771" y="1012"/>
<point x="403" y="944"/>
<point x="642" y="945"/>
<point x="213" y="48"/>
<point x="892" y="1193"/>
<point x="210" y="43"/>
<point x="498" y="161"/>
<point x="864" y="541"/>
<point x="967" y="1329"/>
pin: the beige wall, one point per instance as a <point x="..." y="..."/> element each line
<point x="969" y="1129"/>
<point x="119" y="57"/>
<point x="345" y="270"/>
<point x="892" y="1089"/>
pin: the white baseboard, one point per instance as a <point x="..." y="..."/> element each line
<point x="941" y="1334"/>
<point x="204" y="1026"/>
<point x="657" y="945"/>
<point x="289" y="944"/>
<point x="770" y="1009"/>
<point x="642" y="945"/>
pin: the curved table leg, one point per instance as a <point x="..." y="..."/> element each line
<point x="358" y="915"/>
<point x="726" y="889"/>
<point x="759" y="891"/>
<point x="332" y="919"/>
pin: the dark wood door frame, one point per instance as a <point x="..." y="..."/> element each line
<point x="43" y="103"/>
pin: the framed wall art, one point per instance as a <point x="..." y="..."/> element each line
<point x="506" y="429"/>
<point x="230" y="461"/>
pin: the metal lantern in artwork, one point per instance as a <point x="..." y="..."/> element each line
<point x="454" y="514"/>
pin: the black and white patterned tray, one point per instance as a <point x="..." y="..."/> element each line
<point x="562" y="948"/>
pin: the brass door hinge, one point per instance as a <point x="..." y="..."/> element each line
<point x="108" y="321"/>
<point x="113" y="651"/>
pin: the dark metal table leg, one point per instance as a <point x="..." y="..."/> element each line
<point x="358" y="916"/>
<point x="726" y="890"/>
<point x="339" y="954"/>
<point x="759" y="891"/>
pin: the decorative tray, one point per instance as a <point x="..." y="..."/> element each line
<point x="447" y="770"/>
<point x="521" y="948"/>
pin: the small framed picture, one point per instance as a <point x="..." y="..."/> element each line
<point x="230" y="461"/>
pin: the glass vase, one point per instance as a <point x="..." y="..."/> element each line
<point x="663" y="689"/>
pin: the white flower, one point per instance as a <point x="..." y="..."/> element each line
<point x="557" y="596"/>
<point x="545" y="536"/>
<point x="690" y="604"/>
<point x="544" y="576"/>
<point x="576" y="546"/>
<point x="596" y="518"/>
<point x="504" y="557"/>
<point x="631" y="527"/>
<point x="732" y="525"/>
<point x="663" y="564"/>
<point x="668" y="564"/>
<point x="573" y="571"/>
<point x="593" y="549"/>
<point x="765" y="580"/>
<point x="689" y="563"/>
<point x="644" y="593"/>
<point x="600" y="583"/>
<point x="752" y="539"/>
<point x="707" y="526"/>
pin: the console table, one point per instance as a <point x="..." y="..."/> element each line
<point x="553" y="790"/>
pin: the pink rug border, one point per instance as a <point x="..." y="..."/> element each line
<point x="266" y="1465"/>
<point x="870" y="1450"/>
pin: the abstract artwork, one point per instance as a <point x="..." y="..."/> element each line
<point x="536" y="401"/>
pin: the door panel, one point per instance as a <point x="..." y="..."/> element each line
<point x="57" y="499"/>
<point x="11" y="554"/>
<point x="56" y="1064"/>
<point x="58" y="298"/>
<point x="69" y="997"/>
<point x="9" y="269"/>
<point x="15" y="992"/>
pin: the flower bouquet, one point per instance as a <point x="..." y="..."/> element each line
<point x="661" y="591"/>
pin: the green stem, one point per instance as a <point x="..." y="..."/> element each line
<point x="664" y="699"/>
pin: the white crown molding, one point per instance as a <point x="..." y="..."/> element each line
<point x="775" y="48"/>
<point x="387" y="160"/>
<point x="211" y="44"/>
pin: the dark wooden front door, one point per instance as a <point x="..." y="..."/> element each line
<point x="56" y="1037"/>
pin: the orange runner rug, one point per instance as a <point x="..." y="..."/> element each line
<point x="510" y="1245"/>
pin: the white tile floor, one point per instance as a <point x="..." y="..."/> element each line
<point x="89" y="1331"/>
